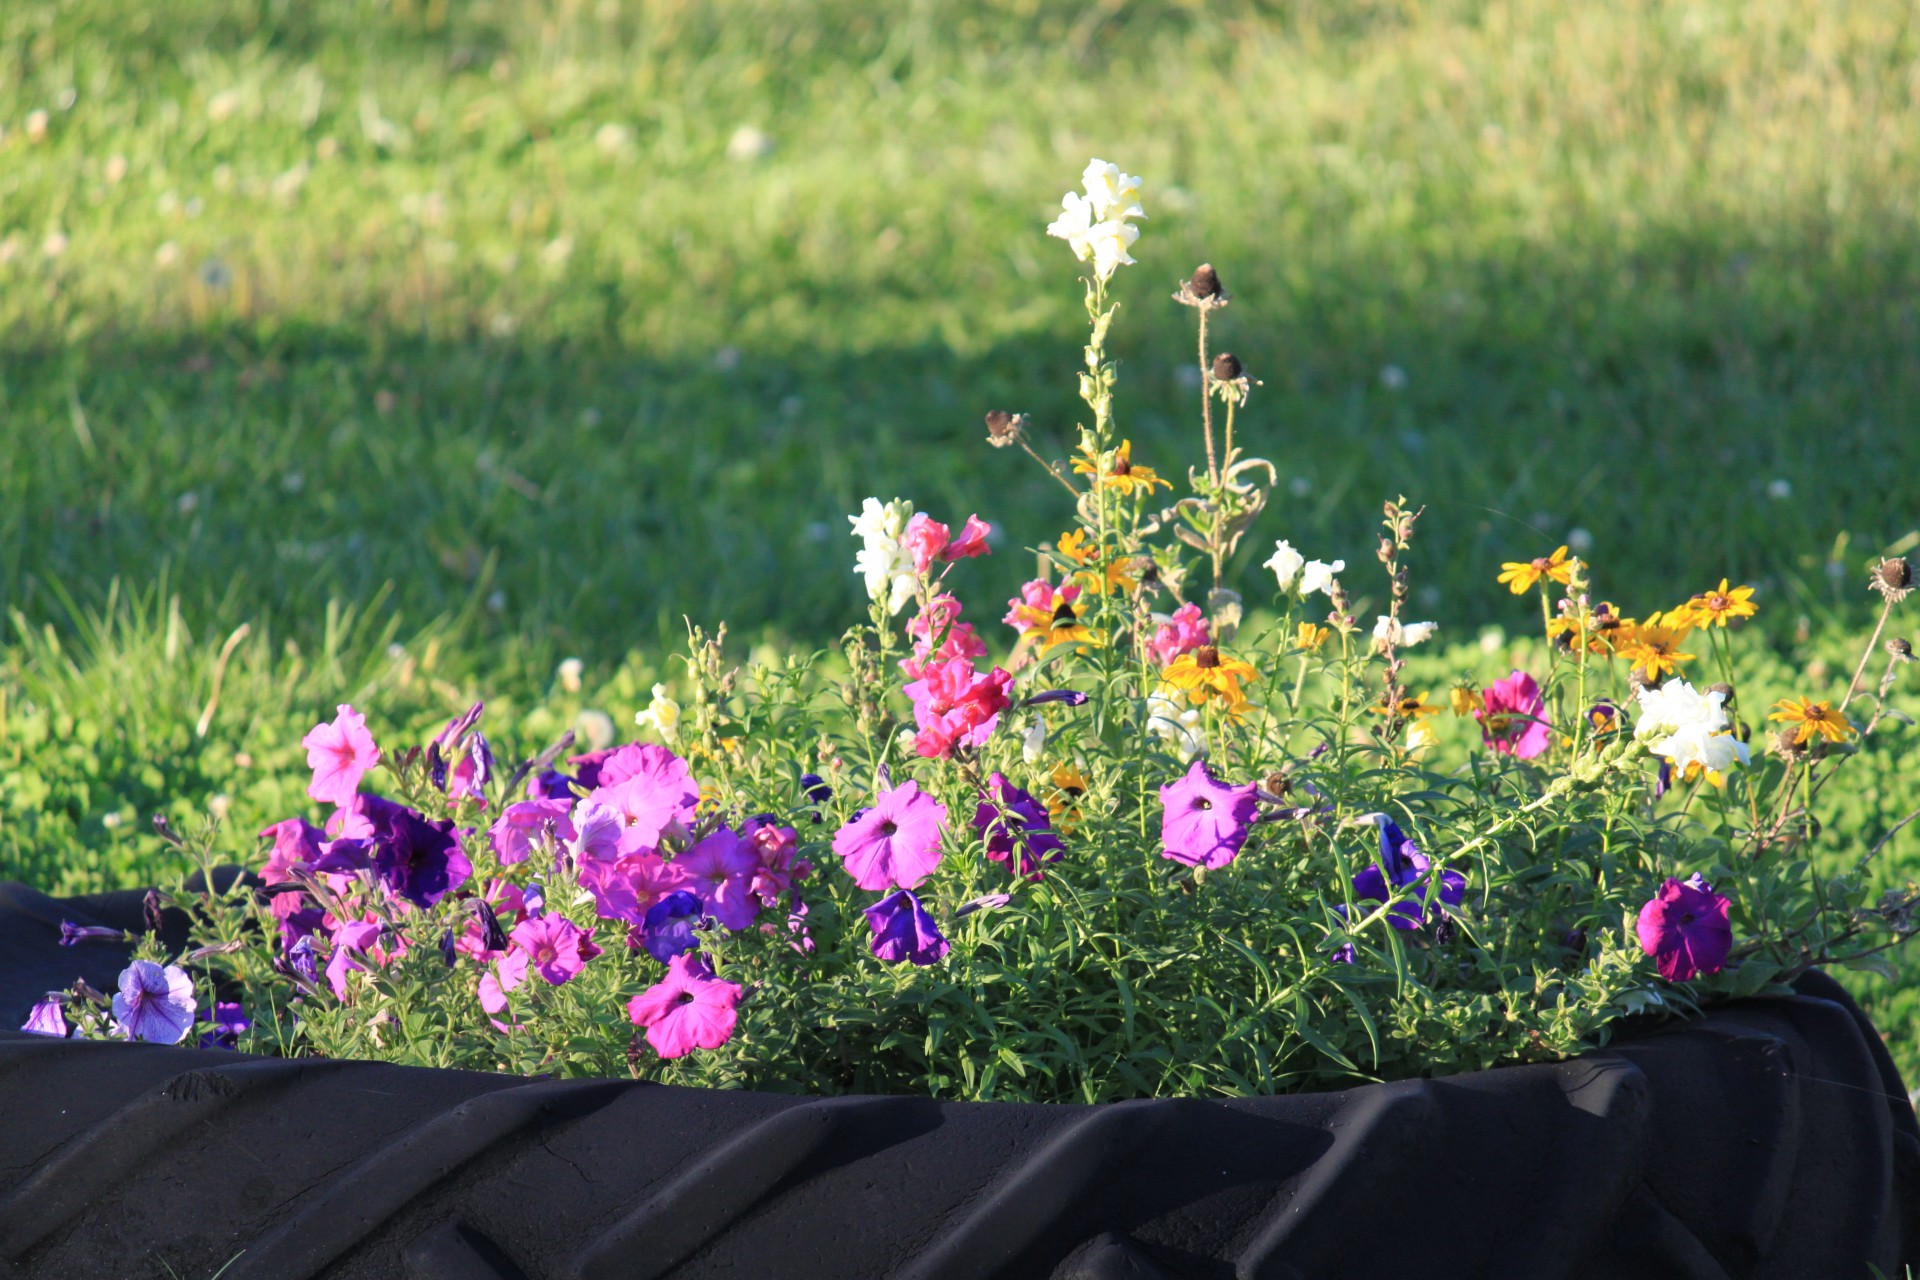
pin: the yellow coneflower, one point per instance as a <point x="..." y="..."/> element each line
<point x="1813" y="720"/>
<point x="1075" y="545"/>
<point x="1409" y="707"/>
<point x="1519" y="576"/>
<point x="1206" y="672"/>
<point x="1600" y="629"/>
<point x="1063" y="803"/>
<point x="1123" y="474"/>
<point x="1714" y="608"/>
<point x="1654" y="645"/>
<point x="1308" y="637"/>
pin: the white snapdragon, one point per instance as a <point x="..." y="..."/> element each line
<point x="1318" y="575"/>
<point x="1176" y="722"/>
<point x="1034" y="744"/>
<point x="662" y="714"/>
<point x="1095" y="225"/>
<point x="1286" y="564"/>
<point x="883" y="562"/>
<point x="1401" y="635"/>
<point x="1691" y="727"/>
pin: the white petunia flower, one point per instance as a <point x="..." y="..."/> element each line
<point x="1318" y="575"/>
<point x="1286" y="564"/>
<point x="1691" y="727"/>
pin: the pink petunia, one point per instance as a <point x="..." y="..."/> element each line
<point x="896" y="842"/>
<point x="686" y="1010"/>
<point x="555" y="946"/>
<point x="339" y="755"/>
<point x="1510" y="717"/>
<point x="509" y="907"/>
<point x="651" y="789"/>
<point x="354" y="940"/>
<point x="296" y="847"/>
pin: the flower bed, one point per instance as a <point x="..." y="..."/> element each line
<point x="1168" y="845"/>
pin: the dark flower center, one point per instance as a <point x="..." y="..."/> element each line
<point x="1122" y="467"/>
<point x="1687" y="917"/>
<point x="1064" y="616"/>
<point x="1201" y="802"/>
<point x="888" y="828"/>
<point x="1206" y="656"/>
<point x="1542" y="564"/>
<point x="1498" y="726"/>
<point x="1716" y="602"/>
<point x="685" y="997"/>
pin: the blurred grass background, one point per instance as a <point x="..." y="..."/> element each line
<point x="435" y="342"/>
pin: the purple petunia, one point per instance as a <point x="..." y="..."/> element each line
<point x="1205" y="822"/>
<point x="896" y="842"/>
<point x="1685" y="929"/>
<point x="155" y="1002"/>
<point x="229" y="1021"/>
<point x="417" y="858"/>
<point x="722" y="868"/>
<point x="902" y="930"/>
<point x="1402" y="866"/>
<point x="667" y="930"/>
<point x="1012" y="820"/>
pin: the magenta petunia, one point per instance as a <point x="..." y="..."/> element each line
<point x="296" y="847"/>
<point x="651" y="789"/>
<point x="902" y="930"/>
<point x="1204" y="822"/>
<point x="339" y="755"/>
<point x="896" y="842"/>
<point x="528" y="824"/>
<point x="155" y="1002"/>
<point x="624" y="888"/>
<point x="1510" y="717"/>
<point x="555" y="946"/>
<point x="1685" y="929"/>
<point x="721" y="869"/>
<point x="686" y="1010"/>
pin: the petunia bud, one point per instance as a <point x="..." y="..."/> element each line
<point x="150" y="910"/>
<point x="1226" y="367"/>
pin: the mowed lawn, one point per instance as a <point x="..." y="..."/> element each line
<point x="435" y="341"/>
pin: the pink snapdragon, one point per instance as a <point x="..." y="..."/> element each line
<point x="686" y="1010"/>
<point x="774" y="847"/>
<point x="929" y="542"/>
<point x="1184" y="632"/>
<point x="939" y="636"/>
<point x="339" y="755"/>
<point x="956" y="706"/>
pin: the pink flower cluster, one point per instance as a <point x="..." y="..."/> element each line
<point x="929" y="542"/>
<point x="1184" y="632"/>
<point x="956" y="706"/>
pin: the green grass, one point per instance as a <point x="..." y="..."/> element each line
<point x="463" y="314"/>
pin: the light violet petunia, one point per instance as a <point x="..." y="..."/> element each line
<point x="1510" y="716"/>
<point x="339" y="755"/>
<point x="652" y="790"/>
<point x="1205" y="822"/>
<point x="896" y="842"/>
<point x="555" y="947"/>
<point x="47" y="1018"/>
<point x="721" y="868"/>
<point x="1685" y="929"/>
<point x="902" y="930"/>
<point x="530" y="824"/>
<point x="155" y="1002"/>
<point x="597" y="832"/>
<point x="686" y="1010"/>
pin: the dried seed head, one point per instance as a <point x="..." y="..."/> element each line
<point x="1786" y="745"/>
<point x="1901" y="649"/>
<point x="1005" y="428"/>
<point x="1725" y="691"/>
<point x="1226" y="367"/>
<point x="1892" y="578"/>
<point x="1202" y="290"/>
<point x="1277" y="784"/>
